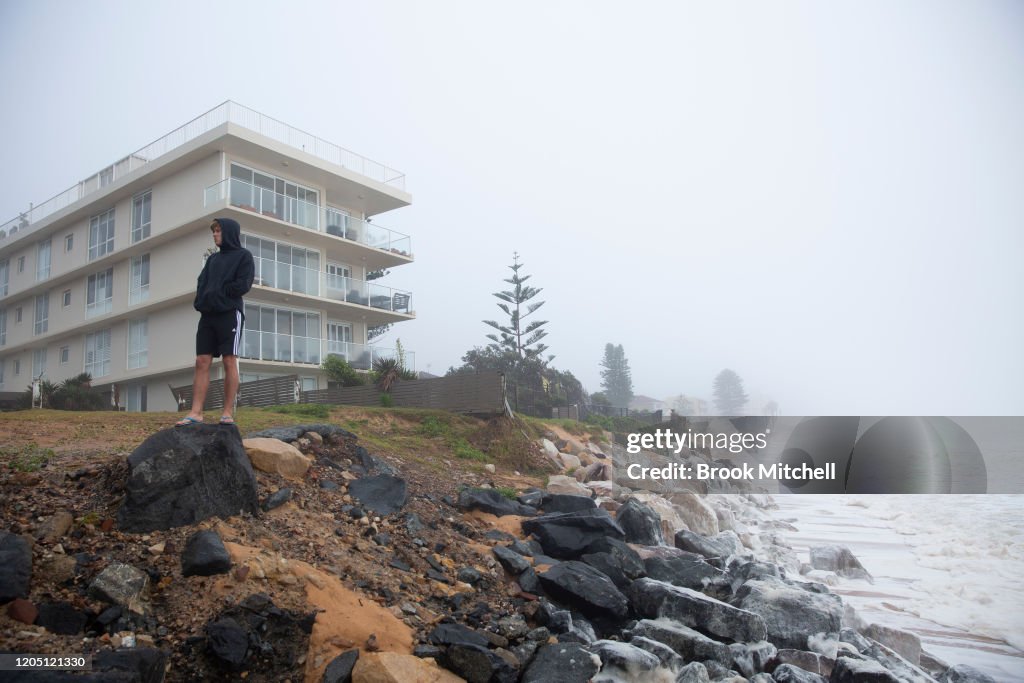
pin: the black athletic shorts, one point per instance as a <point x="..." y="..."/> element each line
<point x="219" y="334"/>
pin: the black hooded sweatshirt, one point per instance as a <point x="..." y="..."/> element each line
<point x="227" y="274"/>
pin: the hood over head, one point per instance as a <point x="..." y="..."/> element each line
<point x="230" y="234"/>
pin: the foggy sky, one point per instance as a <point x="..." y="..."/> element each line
<point x="826" y="198"/>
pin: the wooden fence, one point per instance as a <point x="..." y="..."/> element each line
<point x="477" y="393"/>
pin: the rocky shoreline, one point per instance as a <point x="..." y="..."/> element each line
<point x="332" y="564"/>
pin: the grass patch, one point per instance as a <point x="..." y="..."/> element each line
<point x="507" y="491"/>
<point x="28" y="458"/>
<point x="433" y="426"/>
<point x="316" y="410"/>
<point x="465" y="451"/>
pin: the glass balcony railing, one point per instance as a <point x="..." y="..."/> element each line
<point x="302" y="280"/>
<point x="280" y="347"/>
<point x="362" y="356"/>
<point x="310" y="350"/>
<point x="327" y="219"/>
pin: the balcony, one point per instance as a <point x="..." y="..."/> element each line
<point x="287" y="277"/>
<point x="270" y="346"/>
<point x="227" y="112"/>
<point x="306" y="215"/>
<point x="362" y="356"/>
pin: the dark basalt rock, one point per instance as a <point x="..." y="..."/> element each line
<point x="562" y="663"/>
<point x="640" y="522"/>
<point x="477" y="664"/>
<point x="183" y="475"/>
<point x="790" y="614"/>
<point x="384" y="493"/>
<point x="565" y="502"/>
<point x="205" y="555"/>
<point x="491" y="501"/>
<point x="567" y="535"/>
<point x="15" y="567"/>
<point x="514" y="563"/>
<point x="717" y="548"/>
<point x="690" y="571"/>
<point x="584" y="588"/>
<point x="340" y="668"/>
<point x="655" y="599"/>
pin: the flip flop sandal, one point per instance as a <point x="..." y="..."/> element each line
<point x="186" y="421"/>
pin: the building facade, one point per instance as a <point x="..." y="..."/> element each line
<point x="101" y="277"/>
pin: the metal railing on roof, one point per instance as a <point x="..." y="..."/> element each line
<point x="227" y="112"/>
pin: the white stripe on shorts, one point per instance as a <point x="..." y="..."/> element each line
<point x="238" y="333"/>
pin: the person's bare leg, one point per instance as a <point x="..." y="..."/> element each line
<point x="200" y="383"/>
<point x="230" y="385"/>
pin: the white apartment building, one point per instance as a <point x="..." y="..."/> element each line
<point x="101" y="277"/>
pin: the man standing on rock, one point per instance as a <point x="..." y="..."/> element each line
<point x="225" y="278"/>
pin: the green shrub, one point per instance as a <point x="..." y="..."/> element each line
<point x="338" y="370"/>
<point x="304" y="409"/>
<point x="386" y="401"/>
<point x="432" y="426"/>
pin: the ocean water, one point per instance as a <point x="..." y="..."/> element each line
<point x="949" y="568"/>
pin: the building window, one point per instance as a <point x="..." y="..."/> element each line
<point x="17" y="314"/>
<point x="135" y="398"/>
<point x="283" y="266"/>
<point x="274" y="197"/>
<point x="142" y="210"/>
<point x="66" y="298"/>
<point x="1" y="371"/>
<point x="101" y="235"/>
<point x="21" y="264"/>
<point x="3" y="326"/>
<point x="43" y="260"/>
<point x="138" y="343"/>
<point x="138" y="286"/>
<point x="5" y="276"/>
<point x="307" y="383"/>
<point x="97" y="353"/>
<point x="42" y="313"/>
<point x="282" y="335"/>
<point x="106" y="176"/>
<point x="65" y="355"/>
<point x="38" y="363"/>
<point x="69" y="242"/>
<point x="99" y="293"/>
<point x="17" y="366"/>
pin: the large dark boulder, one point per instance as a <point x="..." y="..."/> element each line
<point x="567" y="535"/>
<point x="567" y="502"/>
<point x="625" y="657"/>
<point x="717" y="548"/>
<point x="692" y="645"/>
<point x="452" y="634"/>
<point x="964" y="673"/>
<point x="790" y="614"/>
<point x="15" y="567"/>
<point x="477" y="664"/>
<point x="849" y="670"/>
<point x="383" y="493"/>
<point x="838" y="559"/>
<point x="340" y="668"/>
<point x="514" y="563"/>
<point x="787" y="673"/>
<point x="562" y="663"/>
<point x="655" y="599"/>
<point x="640" y="522"/>
<point x="183" y="475"/>
<point x="689" y="571"/>
<point x="585" y="589"/>
<point x="493" y="502"/>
